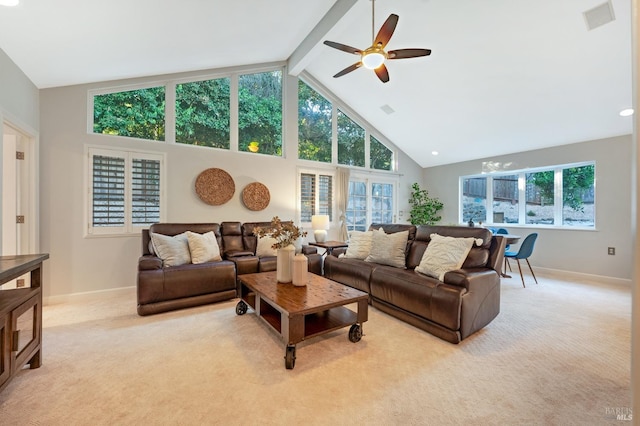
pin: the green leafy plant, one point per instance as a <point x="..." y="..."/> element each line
<point x="424" y="209"/>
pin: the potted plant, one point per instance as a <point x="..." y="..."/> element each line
<point x="284" y="235"/>
<point x="424" y="209"/>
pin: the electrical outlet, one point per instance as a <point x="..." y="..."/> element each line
<point x="611" y="251"/>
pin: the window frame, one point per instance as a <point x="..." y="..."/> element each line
<point x="170" y="100"/>
<point x="522" y="199"/>
<point x="369" y="131"/>
<point x="369" y="179"/>
<point x="317" y="172"/>
<point x="128" y="228"/>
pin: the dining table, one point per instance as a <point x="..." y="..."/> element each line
<point x="511" y="239"/>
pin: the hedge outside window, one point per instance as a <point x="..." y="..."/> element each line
<point x="203" y="113"/>
<point x="314" y="125"/>
<point x="380" y="157"/>
<point x="260" y="112"/>
<point x="350" y="141"/>
<point x="134" y="113"/>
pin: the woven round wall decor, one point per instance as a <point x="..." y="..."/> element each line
<point x="255" y="196"/>
<point x="215" y="186"/>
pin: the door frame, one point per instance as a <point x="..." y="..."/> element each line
<point x="29" y="189"/>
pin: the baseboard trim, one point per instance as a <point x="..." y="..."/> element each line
<point x="579" y="276"/>
<point x="88" y="295"/>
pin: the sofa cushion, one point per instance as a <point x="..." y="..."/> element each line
<point x="388" y="249"/>
<point x="173" y="251"/>
<point x="444" y="254"/>
<point x="359" y="245"/>
<point x="265" y="247"/>
<point x="203" y="247"/>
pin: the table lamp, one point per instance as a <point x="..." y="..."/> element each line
<point x="320" y="224"/>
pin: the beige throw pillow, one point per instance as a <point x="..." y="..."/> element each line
<point x="388" y="249"/>
<point x="203" y="247"/>
<point x="173" y="251"/>
<point x="264" y="247"/>
<point x="359" y="245"/>
<point x="444" y="254"/>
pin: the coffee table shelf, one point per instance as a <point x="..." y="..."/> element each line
<point x="299" y="313"/>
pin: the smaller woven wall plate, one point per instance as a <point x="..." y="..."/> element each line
<point x="255" y="196"/>
<point x="215" y="186"/>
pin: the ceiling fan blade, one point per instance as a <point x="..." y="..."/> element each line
<point x="382" y="73"/>
<point x="408" y="53"/>
<point x="343" y="47"/>
<point x="386" y="31"/>
<point x="348" y="69"/>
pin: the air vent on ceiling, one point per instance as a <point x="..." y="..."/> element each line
<point x="599" y="15"/>
<point x="387" y="109"/>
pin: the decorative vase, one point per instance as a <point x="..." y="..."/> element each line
<point x="300" y="267"/>
<point x="284" y="264"/>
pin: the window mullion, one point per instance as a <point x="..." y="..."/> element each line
<point x="233" y="114"/>
<point x="522" y="199"/>
<point x="557" y="196"/>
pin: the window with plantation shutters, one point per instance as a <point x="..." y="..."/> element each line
<point x="125" y="191"/>
<point x="316" y="195"/>
<point x="145" y="191"/>
<point x="108" y="191"/>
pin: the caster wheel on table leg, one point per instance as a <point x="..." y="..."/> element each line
<point x="355" y="333"/>
<point x="290" y="357"/>
<point x="241" y="308"/>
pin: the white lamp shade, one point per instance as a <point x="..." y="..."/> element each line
<point x="320" y="221"/>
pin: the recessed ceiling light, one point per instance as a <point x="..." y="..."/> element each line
<point x="9" y="2"/>
<point x="434" y="153"/>
<point x="626" y="112"/>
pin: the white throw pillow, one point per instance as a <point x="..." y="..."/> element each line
<point x="444" y="254"/>
<point x="388" y="249"/>
<point x="173" y="251"/>
<point x="264" y="247"/>
<point x="359" y="245"/>
<point x="203" y="247"/>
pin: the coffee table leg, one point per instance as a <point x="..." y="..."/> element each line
<point x="290" y="357"/>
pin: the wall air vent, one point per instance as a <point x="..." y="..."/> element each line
<point x="599" y="15"/>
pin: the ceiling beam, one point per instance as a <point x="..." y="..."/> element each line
<point x="311" y="45"/>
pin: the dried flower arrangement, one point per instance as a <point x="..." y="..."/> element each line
<point x="285" y="233"/>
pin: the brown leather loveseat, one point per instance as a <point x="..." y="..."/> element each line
<point x="163" y="288"/>
<point x="464" y="302"/>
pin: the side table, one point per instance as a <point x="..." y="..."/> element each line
<point x="329" y="246"/>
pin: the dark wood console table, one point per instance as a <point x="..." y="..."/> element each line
<point x="20" y="316"/>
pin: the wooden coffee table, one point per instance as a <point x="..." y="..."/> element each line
<point x="299" y="313"/>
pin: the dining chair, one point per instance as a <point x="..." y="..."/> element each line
<point x="503" y="232"/>
<point x="526" y="249"/>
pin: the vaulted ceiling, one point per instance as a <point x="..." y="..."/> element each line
<point x="504" y="76"/>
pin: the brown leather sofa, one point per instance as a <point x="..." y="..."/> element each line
<point x="161" y="289"/>
<point x="467" y="300"/>
<point x="240" y="247"/>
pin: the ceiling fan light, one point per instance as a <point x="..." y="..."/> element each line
<point x="373" y="60"/>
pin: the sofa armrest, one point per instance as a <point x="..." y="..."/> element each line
<point x="309" y="250"/>
<point x="470" y="277"/>
<point x="496" y="253"/>
<point x="338" y="251"/>
<point x="149" y="263"/>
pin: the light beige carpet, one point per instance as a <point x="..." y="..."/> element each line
<point x="558" y="354"/>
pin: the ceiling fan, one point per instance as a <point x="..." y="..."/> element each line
<point x="374" y="56"/>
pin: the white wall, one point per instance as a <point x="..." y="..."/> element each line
<point x="570" y="250"/>
<point x="80" y="264"/>
<point x="19" y="97"/>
